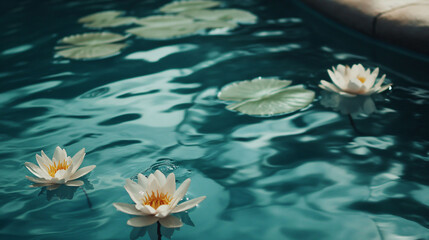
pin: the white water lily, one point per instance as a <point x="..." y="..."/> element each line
<point x="354" y="81"/>
<point x="155" y="199"/>
<point x="62" y="169"/>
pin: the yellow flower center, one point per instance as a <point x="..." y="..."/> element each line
<point x="156" y="199"/>
<point x="53" y="169"/>
<point x="362" y="79"/>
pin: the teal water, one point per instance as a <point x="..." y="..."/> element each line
<point x="305" y="175"/>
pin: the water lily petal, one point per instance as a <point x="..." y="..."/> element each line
<point x="43" y="163"/>
<point x="142" y="221"/>
<point x="81" y="172"/>
<point x="134" y="190"/>
<point x="60" y="154"/>
<point x="161" y="178"/>
<point x="142" y="181"/>
<point x="341" y="69"/>
<point x="355" y="86"/>
<point x="337" y="79"/>
<point x="163" y="211"/>
<point x="188" y="204"/>
<point x="378" y="84"/>
<point x="34" y="169"/>
<point x="152" y="184"/>
<point x="171" y="222"/>
<point x="76" y="183"/>
<point x="145" y="209"/>
<point x="370" y="78"/>
<point x="69" y="172"/>
<point x="170" y="185"/>
<point x="180" y="192"/>
<point x="127" y="208"/>
<point x="384" y="88"/>
<point x="37" y="180"/>
<point x="329" y="86"/>
<point x="77" y="159"/>
<point x="46" y="158"/>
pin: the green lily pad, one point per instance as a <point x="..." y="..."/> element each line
<point x="176" y="7"/>
<point x="256" y="88"/>
<point x="266" y="97"/>
<point x="216" y="24"/>
<point x="285" y="101"/>
<point x="100" y="16"/>
<point x="165" y="32"/>
<point x="163" y="20"/>
<point x="87" y="39"/>
<point x="231" y="15"/>
<point x="91" y="51"/>
<point x="111" y="22"/>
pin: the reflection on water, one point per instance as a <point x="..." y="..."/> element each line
<point x="305" y="175"/>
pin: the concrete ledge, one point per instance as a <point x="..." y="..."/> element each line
<point x="401" y="22"/>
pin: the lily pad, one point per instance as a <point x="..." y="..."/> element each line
<point x="163" y="20"/>
<point x="216" y="24"/>
<point x="288" y="100"/>
<point x="113" y="22"/>
<point x="231" y="15"/>
<point x="266" y="97"/>
<point x="91" y="51"/>
<point x="256" y="88"/>
<point x="165" y="32"/>
<point x="100" y="16"/>
<point x="176" y="7"/>
<point x="88" y="39"/>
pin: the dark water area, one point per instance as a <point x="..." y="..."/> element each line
<point x="304" y="175"/>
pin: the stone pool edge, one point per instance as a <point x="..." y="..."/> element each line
<point x="401" y="22"/>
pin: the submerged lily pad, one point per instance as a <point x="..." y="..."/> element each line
<point x="266" y="97"/>
<point x="100" y="16"/>
<point x="91" y="51"/>
<point x="175" y="7"/>
<point x="114" y="22"/>
<point x="165" y="32"/>
<point x="87" y="39"/>
<point x="163" y="20"/>
<point x="232" y="15"/>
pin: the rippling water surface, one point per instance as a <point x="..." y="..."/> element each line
<point x="305" y="175"/>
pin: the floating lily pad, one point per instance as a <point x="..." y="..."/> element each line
<point x="91" y="51"/>
<point x="256" y="88"/>
<point x="175" y="7"/>
<point x="266" y="97"/>
<point x="216" y="24"/>
<point x="165" y="32"/>
<point x="100" y="16"/>
<point x="232" y="15"/>
<point x="164" y="20"/>
<point x="113" y="22"/>
<point x="87" y="39"/>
